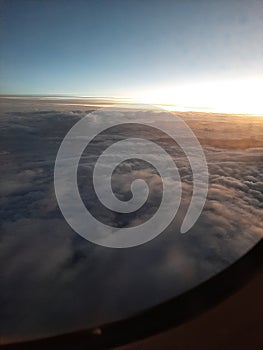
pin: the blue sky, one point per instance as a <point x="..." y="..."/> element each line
<point x="119" y="48"/>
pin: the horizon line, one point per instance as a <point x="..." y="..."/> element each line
<point x="167" y="106"/>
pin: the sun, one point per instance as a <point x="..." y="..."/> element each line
<point x="228" y="96"/>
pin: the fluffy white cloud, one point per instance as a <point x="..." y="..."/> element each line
<point x="52" y="279"/>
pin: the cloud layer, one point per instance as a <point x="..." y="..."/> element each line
<point x="52" y="280"/>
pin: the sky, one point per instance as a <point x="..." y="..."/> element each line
<point x="201" y="54"/>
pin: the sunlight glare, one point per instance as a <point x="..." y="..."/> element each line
<point x="233" y="96"/>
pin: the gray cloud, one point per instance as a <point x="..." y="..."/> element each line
<point x="53" y="280"/>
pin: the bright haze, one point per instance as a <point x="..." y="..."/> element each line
<point x="189" y="55"/>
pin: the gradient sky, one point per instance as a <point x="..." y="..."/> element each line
<point x="129" y="48"/>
